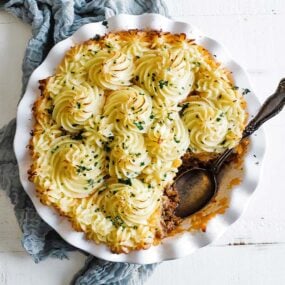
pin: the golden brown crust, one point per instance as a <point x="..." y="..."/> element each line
<point x="41" y="113"/>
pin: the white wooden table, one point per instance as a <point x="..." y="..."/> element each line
<point x="254" y="32"/>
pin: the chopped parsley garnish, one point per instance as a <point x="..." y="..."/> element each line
<point x="162" y="83"/>
<point x="245" y="91"/>
<point x="82" y="168"/>
<point x="126" y="181"/>
<point x="176" y="140"/>
<point x="105" y="23"/>
<point x="197" y="63"/>
<point x="139" y="125"/>
<point x="96" y="37"/>
<point x="184" y="107"/>
<point x="55" y="149"/>
<point x="78" y="136"/>
<point x="91" y="182"/>
<point x="50" y="110"/>
<point x="169" y="116"/>
<point x="118" y="222"/>
<point x="107" y="148"/>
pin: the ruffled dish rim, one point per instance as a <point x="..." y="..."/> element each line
<point x="173" y="247"/>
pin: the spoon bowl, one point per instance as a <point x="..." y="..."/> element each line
<point x="196" y="188"/>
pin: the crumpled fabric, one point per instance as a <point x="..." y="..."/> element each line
<point x="53" y="21"/>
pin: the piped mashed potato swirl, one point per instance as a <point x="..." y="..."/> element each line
<point x="72" y="168"/>
<point x="111" y="69"/>
<point x="166" y="74"/>
<point x="113" y="123"/>
<point x="130" y="108"/>
<point x="73" y="107"/>
<point x="128" y="156"/>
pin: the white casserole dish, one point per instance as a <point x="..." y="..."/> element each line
<point x="181" y="244"/>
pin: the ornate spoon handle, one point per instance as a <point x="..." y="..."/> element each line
<point x="270" y="108"/>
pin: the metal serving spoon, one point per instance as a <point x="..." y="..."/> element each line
<point x="197" y="186"/>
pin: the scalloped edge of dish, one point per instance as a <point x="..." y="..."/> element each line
<point x="172" y="247"/>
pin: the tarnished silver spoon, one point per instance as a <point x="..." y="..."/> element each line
<point x="197" y="186"/>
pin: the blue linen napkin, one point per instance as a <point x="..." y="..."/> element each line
<point x="53" y="21"/>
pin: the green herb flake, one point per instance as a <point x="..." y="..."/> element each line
<point x="105" y="23"/>
<point x="50" y="110"/>
<point x="176" y="140"/>
<point x="82" y="168"/>
<point x="91" y="182"/>
<point x="55" y="149"/>
<point x="107" y="148"/>
<point x="139" y="125"/>
<point x="197" y="63"/>
<point x="127" y="181"/>
<point x="245" y="91"/>
<point x="162" y="83"/>
<point x="78" y="136"/>
<point x="96" y="37"/>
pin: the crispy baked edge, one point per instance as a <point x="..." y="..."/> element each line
<point x="42" y="86"/>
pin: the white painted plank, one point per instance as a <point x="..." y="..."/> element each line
<point x="14" y="36"/>
<point x="19" y="269"/>
<point x="235" y="265"/>
<point x="10" y="233"/>
<point x="262" y="265"/>
<point x="225" y="7"/>
<point x="254" y="41"/>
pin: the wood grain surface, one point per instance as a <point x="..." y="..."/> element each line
<point x="252" y="251"/>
